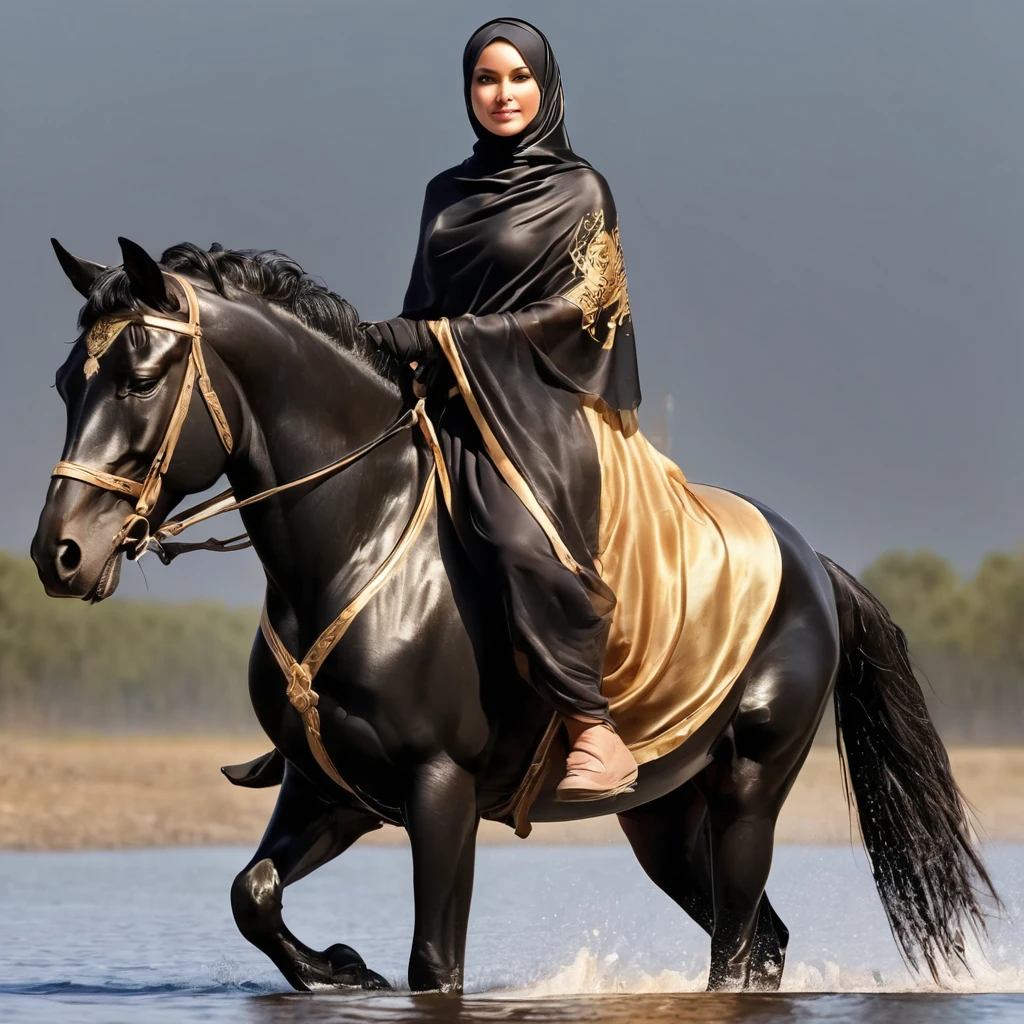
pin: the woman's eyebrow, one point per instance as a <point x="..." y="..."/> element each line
<point x="491" y="71"/>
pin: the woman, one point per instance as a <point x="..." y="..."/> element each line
<point x="518" y="297"/>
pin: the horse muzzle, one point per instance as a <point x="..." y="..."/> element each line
<point x="75" y="555"/>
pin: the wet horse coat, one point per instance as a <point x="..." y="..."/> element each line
<point x="421" y="708"/>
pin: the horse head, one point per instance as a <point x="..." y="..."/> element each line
<point x="132" y="448"/>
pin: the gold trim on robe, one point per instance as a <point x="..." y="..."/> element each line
<point x="443" y="332"/>
<point x="695" y="571"/>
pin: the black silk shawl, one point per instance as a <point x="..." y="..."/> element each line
<point x="519" y="249"/>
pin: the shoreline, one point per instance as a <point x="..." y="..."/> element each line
<point x="67" y="792"/>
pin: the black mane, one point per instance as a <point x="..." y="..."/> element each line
<point x="268" y="274"/>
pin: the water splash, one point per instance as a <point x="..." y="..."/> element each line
<point x="595" y="974"/>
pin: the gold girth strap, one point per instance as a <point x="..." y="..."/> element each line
<point x="519" y="804"/>
<point x="300" y="674"/>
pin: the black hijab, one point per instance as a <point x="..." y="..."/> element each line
<point x="519" y="254"/>
<point x="512" y="226"/>
<point x="544" y="139"/>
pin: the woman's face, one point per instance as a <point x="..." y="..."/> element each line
<point x="506" y="96"/>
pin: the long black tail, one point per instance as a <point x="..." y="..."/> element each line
<point x="913" y="818"/>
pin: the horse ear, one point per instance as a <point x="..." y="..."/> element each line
<point x="81" y="273"/>
<point x="144" y="277"/>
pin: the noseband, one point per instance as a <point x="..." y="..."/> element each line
<point x="101" y="336"/>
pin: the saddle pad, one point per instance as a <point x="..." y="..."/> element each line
<point x="696" y="573"/>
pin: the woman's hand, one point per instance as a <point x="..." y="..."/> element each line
<point x="407" y="340"/>
<point x="411" y="343"/>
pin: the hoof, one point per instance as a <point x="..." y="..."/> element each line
<point x="352" y="973"/>
<point x="338" y="967"/>
<point x="731" y="978"/>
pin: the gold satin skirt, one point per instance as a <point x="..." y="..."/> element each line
<point x="696" y="572"/>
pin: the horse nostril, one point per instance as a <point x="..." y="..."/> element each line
<point x="69" y="558"/>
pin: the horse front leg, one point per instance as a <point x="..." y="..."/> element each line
<point x="304" y="833"/>
<point x="442" y="820"/>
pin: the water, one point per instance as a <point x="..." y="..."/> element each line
<point x="557" y="934"/>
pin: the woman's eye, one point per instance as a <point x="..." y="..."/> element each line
<point x="484" y="80"/>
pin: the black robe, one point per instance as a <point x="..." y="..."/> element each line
<point x="519" y="274"/>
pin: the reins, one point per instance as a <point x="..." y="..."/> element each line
<point x="226" y="502"/>
<point x="300" y="675"/>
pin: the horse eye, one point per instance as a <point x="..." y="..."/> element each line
<point x="138" y="386"/>
<point x="143" y="385"/>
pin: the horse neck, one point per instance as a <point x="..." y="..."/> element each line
<point x="305" y="403"/>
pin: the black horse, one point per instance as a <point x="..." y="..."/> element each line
<point x="422" y="710"/>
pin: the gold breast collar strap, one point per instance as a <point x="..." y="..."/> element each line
<point x="300" y="674"/>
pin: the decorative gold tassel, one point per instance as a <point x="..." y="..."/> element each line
<point x="101" y="336"/>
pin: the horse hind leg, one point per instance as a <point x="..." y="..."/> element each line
<point x="304" y="833"/>
<point x="671" y="838"/>
<point x="742" y="845"/>
<point x="768" y="951"/>
<point x="754" y="767"/>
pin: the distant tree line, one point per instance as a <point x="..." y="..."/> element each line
<point x="982" y="617"/>
<point x="120" y="664"/>
<point x="152" y="665"/>
<point x="966" y="638"/>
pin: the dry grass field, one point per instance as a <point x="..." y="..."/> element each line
<point x="69" y="793"/>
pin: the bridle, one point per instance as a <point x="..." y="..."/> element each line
<point x="101" y="336"/>
<point x="135" y="535"/>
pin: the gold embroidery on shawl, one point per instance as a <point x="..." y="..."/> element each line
<point x="601" y="271"/>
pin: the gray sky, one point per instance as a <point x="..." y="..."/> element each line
<point x="822" y="210"/>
